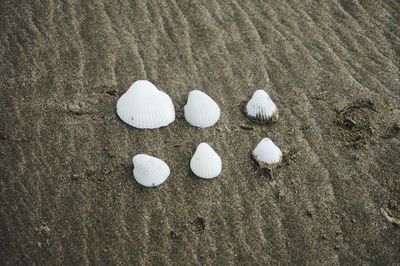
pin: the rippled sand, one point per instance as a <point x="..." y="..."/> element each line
<point x="67" y="191"/>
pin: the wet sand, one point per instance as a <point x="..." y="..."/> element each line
<point x="67" y="191"/>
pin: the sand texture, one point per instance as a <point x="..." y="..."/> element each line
<point x="67" y="193"/>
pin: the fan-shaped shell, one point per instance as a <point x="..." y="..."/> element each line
<point x="149" y="171"/>
<point x="205" y="162"/>
<point x="261" y="107"/>
<point x="267" y="152"/>
<point x="144" y="106"/>
<point x="200" y="110"/>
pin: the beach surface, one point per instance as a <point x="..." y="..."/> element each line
<point x="67" y="191"/>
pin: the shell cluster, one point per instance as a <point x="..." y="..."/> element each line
<point x="144" y="106"/>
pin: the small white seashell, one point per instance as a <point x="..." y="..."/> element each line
<point x="200" y="110"/>
<point x="144" y="106"/>
<point x="149" y="171"/>
<point x="267" y="152"/>
<point x="261" y="107"/>
<point x="205" y="162"/>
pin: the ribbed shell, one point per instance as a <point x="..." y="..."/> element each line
<point x="144" y="106"/>
<point x="261" y="106"/>
<point x="205" y="162"/>
<point x="267" y="152"/>
<point x="149" y="171"/>
<point x="200" y="110"/>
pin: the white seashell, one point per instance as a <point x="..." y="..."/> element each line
<point x="267" y="152"/>
<point x="205" y="162"/>
<point x="261" y="107"/>
<point x="200" y="110"/>
<point x="144" y="106"/>
<point x="149" y="171"/>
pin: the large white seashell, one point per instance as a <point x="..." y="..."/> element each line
<point x="149" y="171"/>
<point x="200" y="110"/>
<point x="261" y="107"/>
<point x="267" y="152"/>
<point x="205" y="162"/>
<point x="144" y="106"/>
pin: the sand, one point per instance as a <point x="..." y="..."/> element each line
<point x="67" y="191"/>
